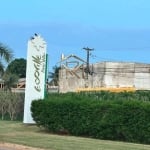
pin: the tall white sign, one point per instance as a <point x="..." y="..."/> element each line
<point x="35" y="74"/>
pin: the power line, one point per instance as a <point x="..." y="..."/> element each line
<point x="116" y="58"/>
<point x="125" y="48"/>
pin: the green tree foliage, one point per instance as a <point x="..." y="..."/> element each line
<point x="10" y="80"/>
<point x="5" y="56"/>
<point x="18" y="67"/>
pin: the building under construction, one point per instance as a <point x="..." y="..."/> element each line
<point x="75" y="76"/>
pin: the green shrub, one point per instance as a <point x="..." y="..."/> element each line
<point x="86" y="114"/>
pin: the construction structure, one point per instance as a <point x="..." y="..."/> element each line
<point x="117" y="76"/>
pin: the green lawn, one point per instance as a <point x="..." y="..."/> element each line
<point x="30" y="135"/>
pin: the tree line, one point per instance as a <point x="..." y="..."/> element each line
<point x="16" y="68"/>
<point x="10" y="69"/>
<point x="11" y="104"/>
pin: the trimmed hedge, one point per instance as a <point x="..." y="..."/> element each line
<point x="82" y="115"/>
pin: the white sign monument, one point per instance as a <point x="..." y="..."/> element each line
<point x="35" y="74"/>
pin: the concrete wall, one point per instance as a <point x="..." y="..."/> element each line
<point x="142" y="76"/>
<point x="70" y="81"/>
<point x="106" y="74"/>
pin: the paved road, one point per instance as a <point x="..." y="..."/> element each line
<point x="4" y="148"/>
<point x="9" y="146"/>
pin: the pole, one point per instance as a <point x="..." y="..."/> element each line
<point x="87" y="62"/>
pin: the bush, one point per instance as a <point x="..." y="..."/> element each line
<point x="83" y="115"/>
<point x="11" y="105"/>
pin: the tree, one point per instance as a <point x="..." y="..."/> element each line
<point x="18" y="67"/>
<point x="5" y="56"/>
<point x="11" y="104"/>
<point x="10" y="80"/>
<point x="3" y="104"/>
<point x="54" y="76"/>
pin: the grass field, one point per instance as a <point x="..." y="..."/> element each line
<point x="30" y="135"/>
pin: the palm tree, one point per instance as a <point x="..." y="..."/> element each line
<point x="5" y="56"/>
<point x="54" y="76"/>
<point x="10" y="80"/>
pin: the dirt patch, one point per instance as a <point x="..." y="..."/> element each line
<point x="8" y="146"/>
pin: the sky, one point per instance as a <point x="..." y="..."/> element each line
<point x="118" y="30"/>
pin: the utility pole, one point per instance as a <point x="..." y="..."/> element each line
<point x="87" y="62"/>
